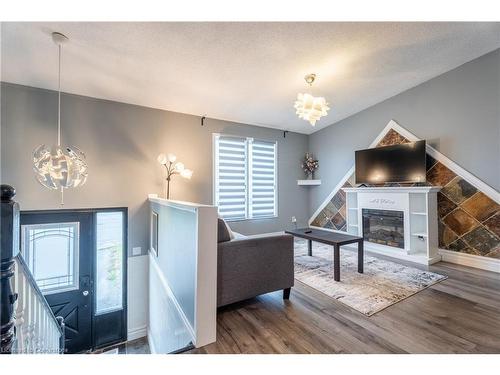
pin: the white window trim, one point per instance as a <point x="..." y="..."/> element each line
<point x="248" y="177"/>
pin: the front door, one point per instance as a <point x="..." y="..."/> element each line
<point x="57" y="247"/>
<point x="79" y="261"/>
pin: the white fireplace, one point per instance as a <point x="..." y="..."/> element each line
<point x="400" y="222"/>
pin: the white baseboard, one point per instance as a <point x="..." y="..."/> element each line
<point x="152" y="348"/>
<point x="476" y="261"/>
<point x="136" y="333"/>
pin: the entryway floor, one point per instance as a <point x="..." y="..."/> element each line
<point x="139" y="346"/>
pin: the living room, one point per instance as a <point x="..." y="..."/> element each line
<point x="234" y="188"/>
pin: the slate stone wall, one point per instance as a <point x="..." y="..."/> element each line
<point x="469" y="221"/>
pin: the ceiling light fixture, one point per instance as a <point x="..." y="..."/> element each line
<point x="59" y="167"/>
<point x="308" y="107"/>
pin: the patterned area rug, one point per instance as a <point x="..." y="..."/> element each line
<point x="382" y="284"/>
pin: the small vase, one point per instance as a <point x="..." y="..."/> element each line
<point x="312" y="175"/>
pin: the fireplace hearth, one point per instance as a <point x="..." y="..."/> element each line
<point x="384" y="227"/>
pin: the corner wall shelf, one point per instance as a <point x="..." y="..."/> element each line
<point x="308" y="182"/>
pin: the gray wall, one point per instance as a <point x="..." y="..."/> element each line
<point x="121" y="142"/>
<point x="456" y="112"/>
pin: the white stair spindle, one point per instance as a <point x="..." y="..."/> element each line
<point x="36" y="328"/>
<point x="29" y="322"/>
<point x="20" y="288"/>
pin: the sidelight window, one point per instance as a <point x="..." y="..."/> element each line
<point x="109" y="261"/>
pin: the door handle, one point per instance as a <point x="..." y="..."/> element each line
<point x="85" y="293"/>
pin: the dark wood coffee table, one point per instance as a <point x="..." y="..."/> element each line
<point x="330" y="238"/>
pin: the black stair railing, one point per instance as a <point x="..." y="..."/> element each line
<point x="9" y="242"/>
<point x="28" y="324"/>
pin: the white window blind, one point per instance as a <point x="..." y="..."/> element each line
<point x="231" y="177"/>
<point x="245" y="177"/>
<point x="263" y="179"/>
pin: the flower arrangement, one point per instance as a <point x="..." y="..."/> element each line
<point x="309" y="165"/>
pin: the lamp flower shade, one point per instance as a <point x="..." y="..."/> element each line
<point x="179" y="167"/>
<point x="162" y="159"/>
<point x="168" y="160"/>
<point x="187" y="173"/>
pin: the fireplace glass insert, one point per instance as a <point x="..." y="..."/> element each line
<point x="384" y="227"/>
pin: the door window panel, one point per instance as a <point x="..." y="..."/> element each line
<point x="51" y="252"/>
<point x="109" y="262"/>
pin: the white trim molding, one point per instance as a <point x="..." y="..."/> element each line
<point x="391" y="125"/>
<point x="466" y="175"/>
<point x="330" y="196"/>
<point x="137" y="332"/>
<point x="476" y="261"/>
<point x="152" y="347"/>
<point x="460" y="171"/>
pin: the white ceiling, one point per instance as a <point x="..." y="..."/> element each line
<point x="244" y="72"/>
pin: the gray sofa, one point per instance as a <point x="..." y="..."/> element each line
<point x="248" y="266"/>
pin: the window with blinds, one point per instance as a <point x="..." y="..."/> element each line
<point x="245" y="177"/>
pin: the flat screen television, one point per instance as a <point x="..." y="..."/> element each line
<point x="391" y="164"/>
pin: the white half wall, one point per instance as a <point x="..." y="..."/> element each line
<point x="182" y="274"/>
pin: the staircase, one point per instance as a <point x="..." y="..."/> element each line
<point x="28" y="325"/>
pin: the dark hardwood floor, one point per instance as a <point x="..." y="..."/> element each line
<point x="459" y="315"/>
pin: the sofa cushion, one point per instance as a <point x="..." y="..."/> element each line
<point x="252" y="266"/>
<point x="224" y="233"/>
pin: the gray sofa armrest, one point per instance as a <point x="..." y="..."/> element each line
<point x="254" y="265"/>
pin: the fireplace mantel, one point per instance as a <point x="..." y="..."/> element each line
<point x="419" y="207"/>
<point x="395" y="189"/>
